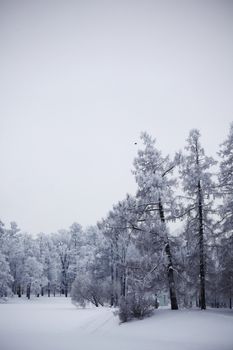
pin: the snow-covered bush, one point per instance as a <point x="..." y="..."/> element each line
<point x="85" y="290"/>
<point x="125" y="313"/>
<point x="136" y="305"/>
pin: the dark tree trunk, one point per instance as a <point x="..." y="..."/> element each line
<point x="19" y="292"/>
<point x="123" y="277"/>
<point x="170" y="270"/>
<point x="201" y="250"/>
<point x="28" y="292"/>
<point x="123" y="284"/>
<point x="95" y="301"/>
<point x="49" y="290"/>
<point x="171" y="282"/>
<point x="116" y="298"/>
<point x="156" y="302"/>
<point x="42" y="291"/>
<point x="65" y="266"/>
<point x="112" y="280"/>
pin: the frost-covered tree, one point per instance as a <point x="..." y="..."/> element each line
<point x="198" y="187"/>
<point x="32" y="279"/>
<point x="119" y="229"/>
<point x="32" y="276"/>
<point x="14" y="252"/>
<point x="92" y="283"/>
<point x="67" y="244"/>
<point x="5" y="277"/>
<point x="226" y="183"/>
<point x="49" y="259"/>
<point x="62" y="243"/>
<point x="77" y="238"/>
<point x="155" y="193"/>
<point x="226" y="269"/>
<point x="188" y="265"/>
<point x="226" y="215"/>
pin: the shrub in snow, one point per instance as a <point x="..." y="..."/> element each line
<point x="85" y="290"/>
<point x="135" y="305"/>
<point x="125" y="313"/>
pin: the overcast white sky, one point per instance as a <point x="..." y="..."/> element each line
<point x="81" y="79"/>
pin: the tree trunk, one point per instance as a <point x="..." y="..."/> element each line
<point x="201" y="250"/>
<point x="28" y="292"/>
<point x="123" y="277"/>
<point x="112" y="280"/>
<point x="171" y="282"/>
<point x="170" y="270"/>
<point x="197" y="301"/>
<point x="14" y="289"/>
<point x="95" y="301"/>
<point x="123" y="285"/>
<point x="116" y="298"/>
<point x="19" y="292"/>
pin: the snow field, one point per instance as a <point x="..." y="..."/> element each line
<point x="55" y="324"/>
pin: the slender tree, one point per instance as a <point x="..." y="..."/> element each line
<point x="226" y="182"/>
<point x="226" y="214"/>
<point x="198" y="187"/>
<point x="155" y="192"/>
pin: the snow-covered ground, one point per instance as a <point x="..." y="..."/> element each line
<point x="55" y="324"/>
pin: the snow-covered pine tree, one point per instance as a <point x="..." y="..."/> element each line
<point x="226" y="182"/>
<point x="226" y="214"/>
<point x="155" y="193"/>
<point x="196" y="179"/>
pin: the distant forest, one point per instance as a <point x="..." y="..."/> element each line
<point x="132" y="256"/>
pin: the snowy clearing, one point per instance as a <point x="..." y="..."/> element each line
<point x="55" y="323"/>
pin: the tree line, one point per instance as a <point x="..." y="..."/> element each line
<point x="132" y="256"/>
